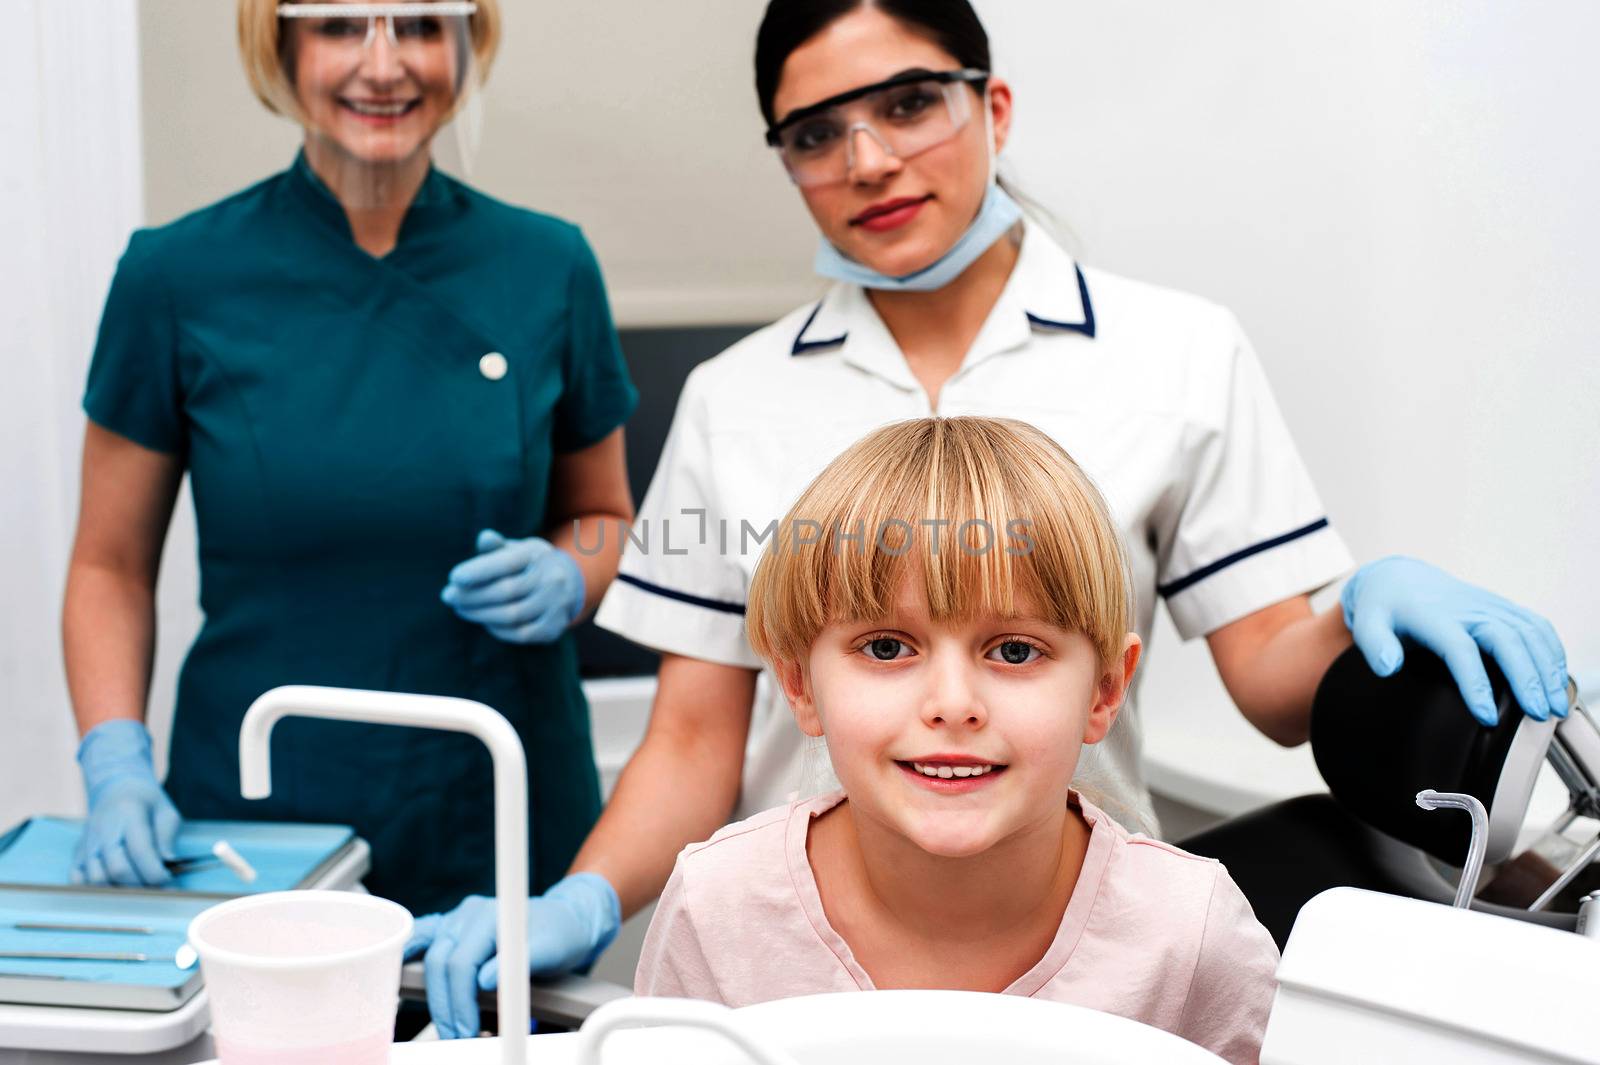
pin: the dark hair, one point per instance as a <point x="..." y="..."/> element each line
<point x="951" y="24"/>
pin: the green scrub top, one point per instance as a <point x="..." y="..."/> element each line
<point x="346" y="440"/>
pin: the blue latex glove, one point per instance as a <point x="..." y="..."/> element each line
<point x="132" y="825"/>
<point x="1395" y="597"/>
<point x="568" y="926"/>
<point x="522" y="591"/>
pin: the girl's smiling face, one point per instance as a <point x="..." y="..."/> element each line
<point x="955" y="735"/>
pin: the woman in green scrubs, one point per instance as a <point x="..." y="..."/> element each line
<point x="365" y="366"/>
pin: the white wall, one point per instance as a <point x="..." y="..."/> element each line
<point x="69" y="194"/>
<point x="1398" y="200"/>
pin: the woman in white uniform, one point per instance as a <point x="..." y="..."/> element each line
<point x="950" y="301"/>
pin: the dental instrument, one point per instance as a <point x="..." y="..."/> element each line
<point x="222" y="853"/>
<point x="88" y="929"/>
<point x="82" y="955"/>
<point x="179" y="866"/>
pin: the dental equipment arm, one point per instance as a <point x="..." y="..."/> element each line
<point x="510" y="804"/>
<point x="1574" y="753"/>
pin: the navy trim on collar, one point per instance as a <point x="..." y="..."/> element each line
<point x="1172" y="588"/>
<point x="683" y="597"/>
<point x="802" y="345"/>
<point x="1086" y="327"/>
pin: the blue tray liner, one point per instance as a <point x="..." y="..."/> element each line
<point x="168" y="917"/>
<point x="39" y="853"/>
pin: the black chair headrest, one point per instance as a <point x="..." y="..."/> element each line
<point x="1380" y="740"/>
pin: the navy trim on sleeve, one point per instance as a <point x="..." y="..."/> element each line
<point x="802" y="345"/>
<point x="1172" y="588"/>
<point x="683" y="597"/>
<point x="1086" y="327"/>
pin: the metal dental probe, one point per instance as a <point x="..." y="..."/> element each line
<point x="99" y="929"/>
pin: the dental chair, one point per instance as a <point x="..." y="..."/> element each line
<point x="1395" y="947"/>
<point x="1377" y="743"/>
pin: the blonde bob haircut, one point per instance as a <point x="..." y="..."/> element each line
<point x="261" y="47"/>
<point x="989" y="514"/>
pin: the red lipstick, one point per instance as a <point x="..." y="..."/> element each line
<point x="890" y="214"/>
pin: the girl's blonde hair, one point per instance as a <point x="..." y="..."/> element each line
<point x="985" y="511"/>
<point x="261" y="47"/>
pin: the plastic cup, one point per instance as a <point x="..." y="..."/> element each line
<point x="296" y="977"/>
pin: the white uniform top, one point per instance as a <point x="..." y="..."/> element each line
<point x="1155" y="393"/>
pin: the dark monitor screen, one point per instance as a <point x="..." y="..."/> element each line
<point x="659" y="360"/>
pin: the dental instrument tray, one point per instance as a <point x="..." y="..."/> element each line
<point x="65" y="944"/>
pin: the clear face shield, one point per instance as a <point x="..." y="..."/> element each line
<point x="905" y="116"/>
<point x="374" y="84"/>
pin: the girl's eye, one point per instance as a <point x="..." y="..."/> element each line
<point x="885" y="648"/>
<point x="1016" y="652"/>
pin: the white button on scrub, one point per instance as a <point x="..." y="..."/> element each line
<point x="493" y="366"/>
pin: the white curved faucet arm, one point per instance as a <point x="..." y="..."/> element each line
<point x="510" y="805"/>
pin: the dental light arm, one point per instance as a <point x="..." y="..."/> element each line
<point x="1575" y="754"/>
<point x="510" y="805"/>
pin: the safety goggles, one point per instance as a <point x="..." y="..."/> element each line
<point x="410" y="29"/>
<point x="906" y="115"/>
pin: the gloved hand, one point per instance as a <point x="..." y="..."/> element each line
<point x="1396" y="596"/>
<point x="568" y="926"/>
<point x="522" y="591"/>
<point x="132" y="825"/>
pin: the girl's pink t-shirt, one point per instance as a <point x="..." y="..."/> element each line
<point x="1151" y="932"/>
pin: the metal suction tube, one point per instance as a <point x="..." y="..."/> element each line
<point x="1429" y="799"/>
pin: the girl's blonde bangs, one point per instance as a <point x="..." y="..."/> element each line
<point x="990" y="515"/>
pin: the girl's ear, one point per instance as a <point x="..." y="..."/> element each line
<point x="1113" y="689"/>
<point x="792" y="678"/>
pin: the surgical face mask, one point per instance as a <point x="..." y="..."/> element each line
<point x="997" y="214"/>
